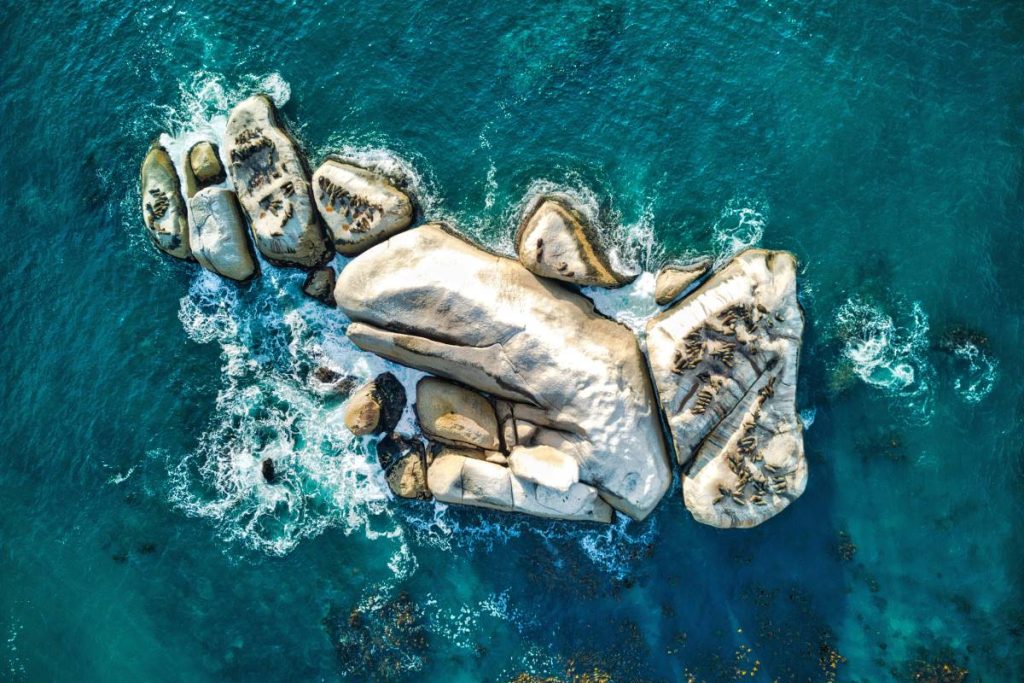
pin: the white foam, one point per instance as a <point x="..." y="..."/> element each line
<point x="739" y="226"/>
<point x="979" y="372"/>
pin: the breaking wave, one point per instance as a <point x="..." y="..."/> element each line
<point x="739" y="226"/>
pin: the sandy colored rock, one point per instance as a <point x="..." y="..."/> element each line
<point x="205" y="165"/>
<point x="219" y="237"/>
<point x="453" y="414"/>
<point x="431" y="300"/>
<point x="557" y="241"/>
<point x="673" y="279"/>
<point x="163" y="208"/>
<point x="468" y="481"/>
<point x="724" y="360"/>
<point x="319" y="285"/>
<point x="376" y="407"/>
<point x="545" y="466"/>
<point x="404" y="462"/>
<point x="360" y="207"/>
<point x="270" y="178"/>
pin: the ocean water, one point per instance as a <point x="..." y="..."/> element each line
<point x="882" y="143"/>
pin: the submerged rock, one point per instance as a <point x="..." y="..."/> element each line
<point x="404" y="461"/>
<point x="431" y="300"/>
<point x="376" y="407"/>
<point x="724" y="360"/>
<point x="270" y="178"/>
<point x="673" y="279"/>
<point x="268" y="471"/>
<point x="319" y="285"/>
<point x="557" y="241"/>
<point x="359" y="206"/>
<point x="456" y="415"/>
<point x="218" y="235"/>
<point x="163" y="208"/>
<point x="205" y="166"/>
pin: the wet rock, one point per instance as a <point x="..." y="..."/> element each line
<point x="673" y="279"/>
<point x="327" y="382"/>
<point x="270" y="178"/>
<point x="724" y="360"/>
<point x="557" y="241"/>
<point x="163" y="208"/>
<point x="455" y="415"/>
<point x="319" y="285"/>
<point x="376" y="407"/>
<point x="404" y="461"/>
<point x="360" y="207"/>
<point x="268" y="471"/>
<point x="205" y="165"/>
<point x="219" y="237"/>
<point x="431" y="300"/>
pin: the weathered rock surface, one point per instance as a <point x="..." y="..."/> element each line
<point x="205" y="165"/>
<point x="359" y="206"/>
<point x="469" y="481"/>
<point x="270" y="178"/>
<point x="163" y="209"/>
<point x="557" y="241"/>
<point x="725" y="361"/>
<point x="431" y="300"/>
<point x="545" y="466"/>
<point x="376" y="407"/>
<point x="455" y="415"/>
<point x="404" y="461"/>
<point x="673" y="279"/>
<point x="219" y="237"/>
<point x="319" y="285"/>
<point x="326" y="381"/>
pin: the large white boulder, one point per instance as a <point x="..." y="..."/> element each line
<point x="163" y="209"/>
<point x="429" y="299"/>
<point x="724" y="360"/>
<point x="270" y="178"/>
<point x="219" y="237"/>
<point x="544" y="465"/>
<point x="455" y="415"/>
<point x="359" y="206"/>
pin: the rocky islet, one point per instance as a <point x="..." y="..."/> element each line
<point x="537" y="402"/>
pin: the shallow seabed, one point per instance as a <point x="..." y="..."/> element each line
<point x="881" y="142"/>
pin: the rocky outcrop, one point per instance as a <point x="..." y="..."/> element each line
<point x="376" y="407"/>
<point x="404" y="461"/>
<point x="163" y="209"/>
<point x="270" y="178"/>
<point x="724" y="361"/>
<point x="673" y="279"/>
<point x="557" y="241"/>
<point x="219" y="237"/>
<point x="359" y="206"/>
<point x="204" y="164"/>
<point x="469" y="481"/>
<point x="319" y="285"/>
<point x="545" y="466"/>
<point x="455" y="415"/>
<point x="576" y="381"/>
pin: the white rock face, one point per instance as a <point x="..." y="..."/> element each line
<point x="431" y="300"/>
<point x="557" y="241"/>
<point x="455" y="415"/>
<point x="270" y="178"/>
<point x="219" y="237"/>
<point x="725" y="361"/>
<point x="673" y="279"/>
<point x="545" y="466"/>
<point x="469" y="481"/>
<point x="360" y="207"/>
<point x="163" y="209"/>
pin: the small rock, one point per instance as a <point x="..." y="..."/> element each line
<point x="267" y="469"/>
<point x="319" y="285"/>
<point x="673" y="279"/>
<point x="404" y="462"/>
<point x="557" y="241"/>
<point x="376" y="407"/>
<point x="456" y="415"/>
<point x="163" y="208"/>
<point x="219" y="237"/>
<point x="326" y="382"/>
<point x="205" y="164"/>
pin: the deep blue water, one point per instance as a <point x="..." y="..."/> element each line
<point x="881" y="142"/>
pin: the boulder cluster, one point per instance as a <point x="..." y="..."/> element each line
<point x="535" y="402"/>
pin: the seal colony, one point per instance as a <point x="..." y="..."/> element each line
<point x="536" y="402"/>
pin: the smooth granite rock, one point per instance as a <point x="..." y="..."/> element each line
<point x="545" y="466"/>
<point x="163" y="208"/>
<point x="404" y="461"/>
<point x="725" y="361"/>
<point x="360" y="207"/>
<point x="319" y="285"/>
<point x="673" y="279"/>
<point x="270" y="178"/>
<point x="555" y="240"/>
<point x="432" y="300"/>
<point x="455" y="415"/>
<point x="204" y="163"/>
<point x="219" y="237"/>
<point x="376" y="407"/>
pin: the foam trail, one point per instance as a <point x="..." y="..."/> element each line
<point x="740" y="226"/>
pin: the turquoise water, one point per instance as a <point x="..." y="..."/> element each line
<point x="882" y="144"/>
